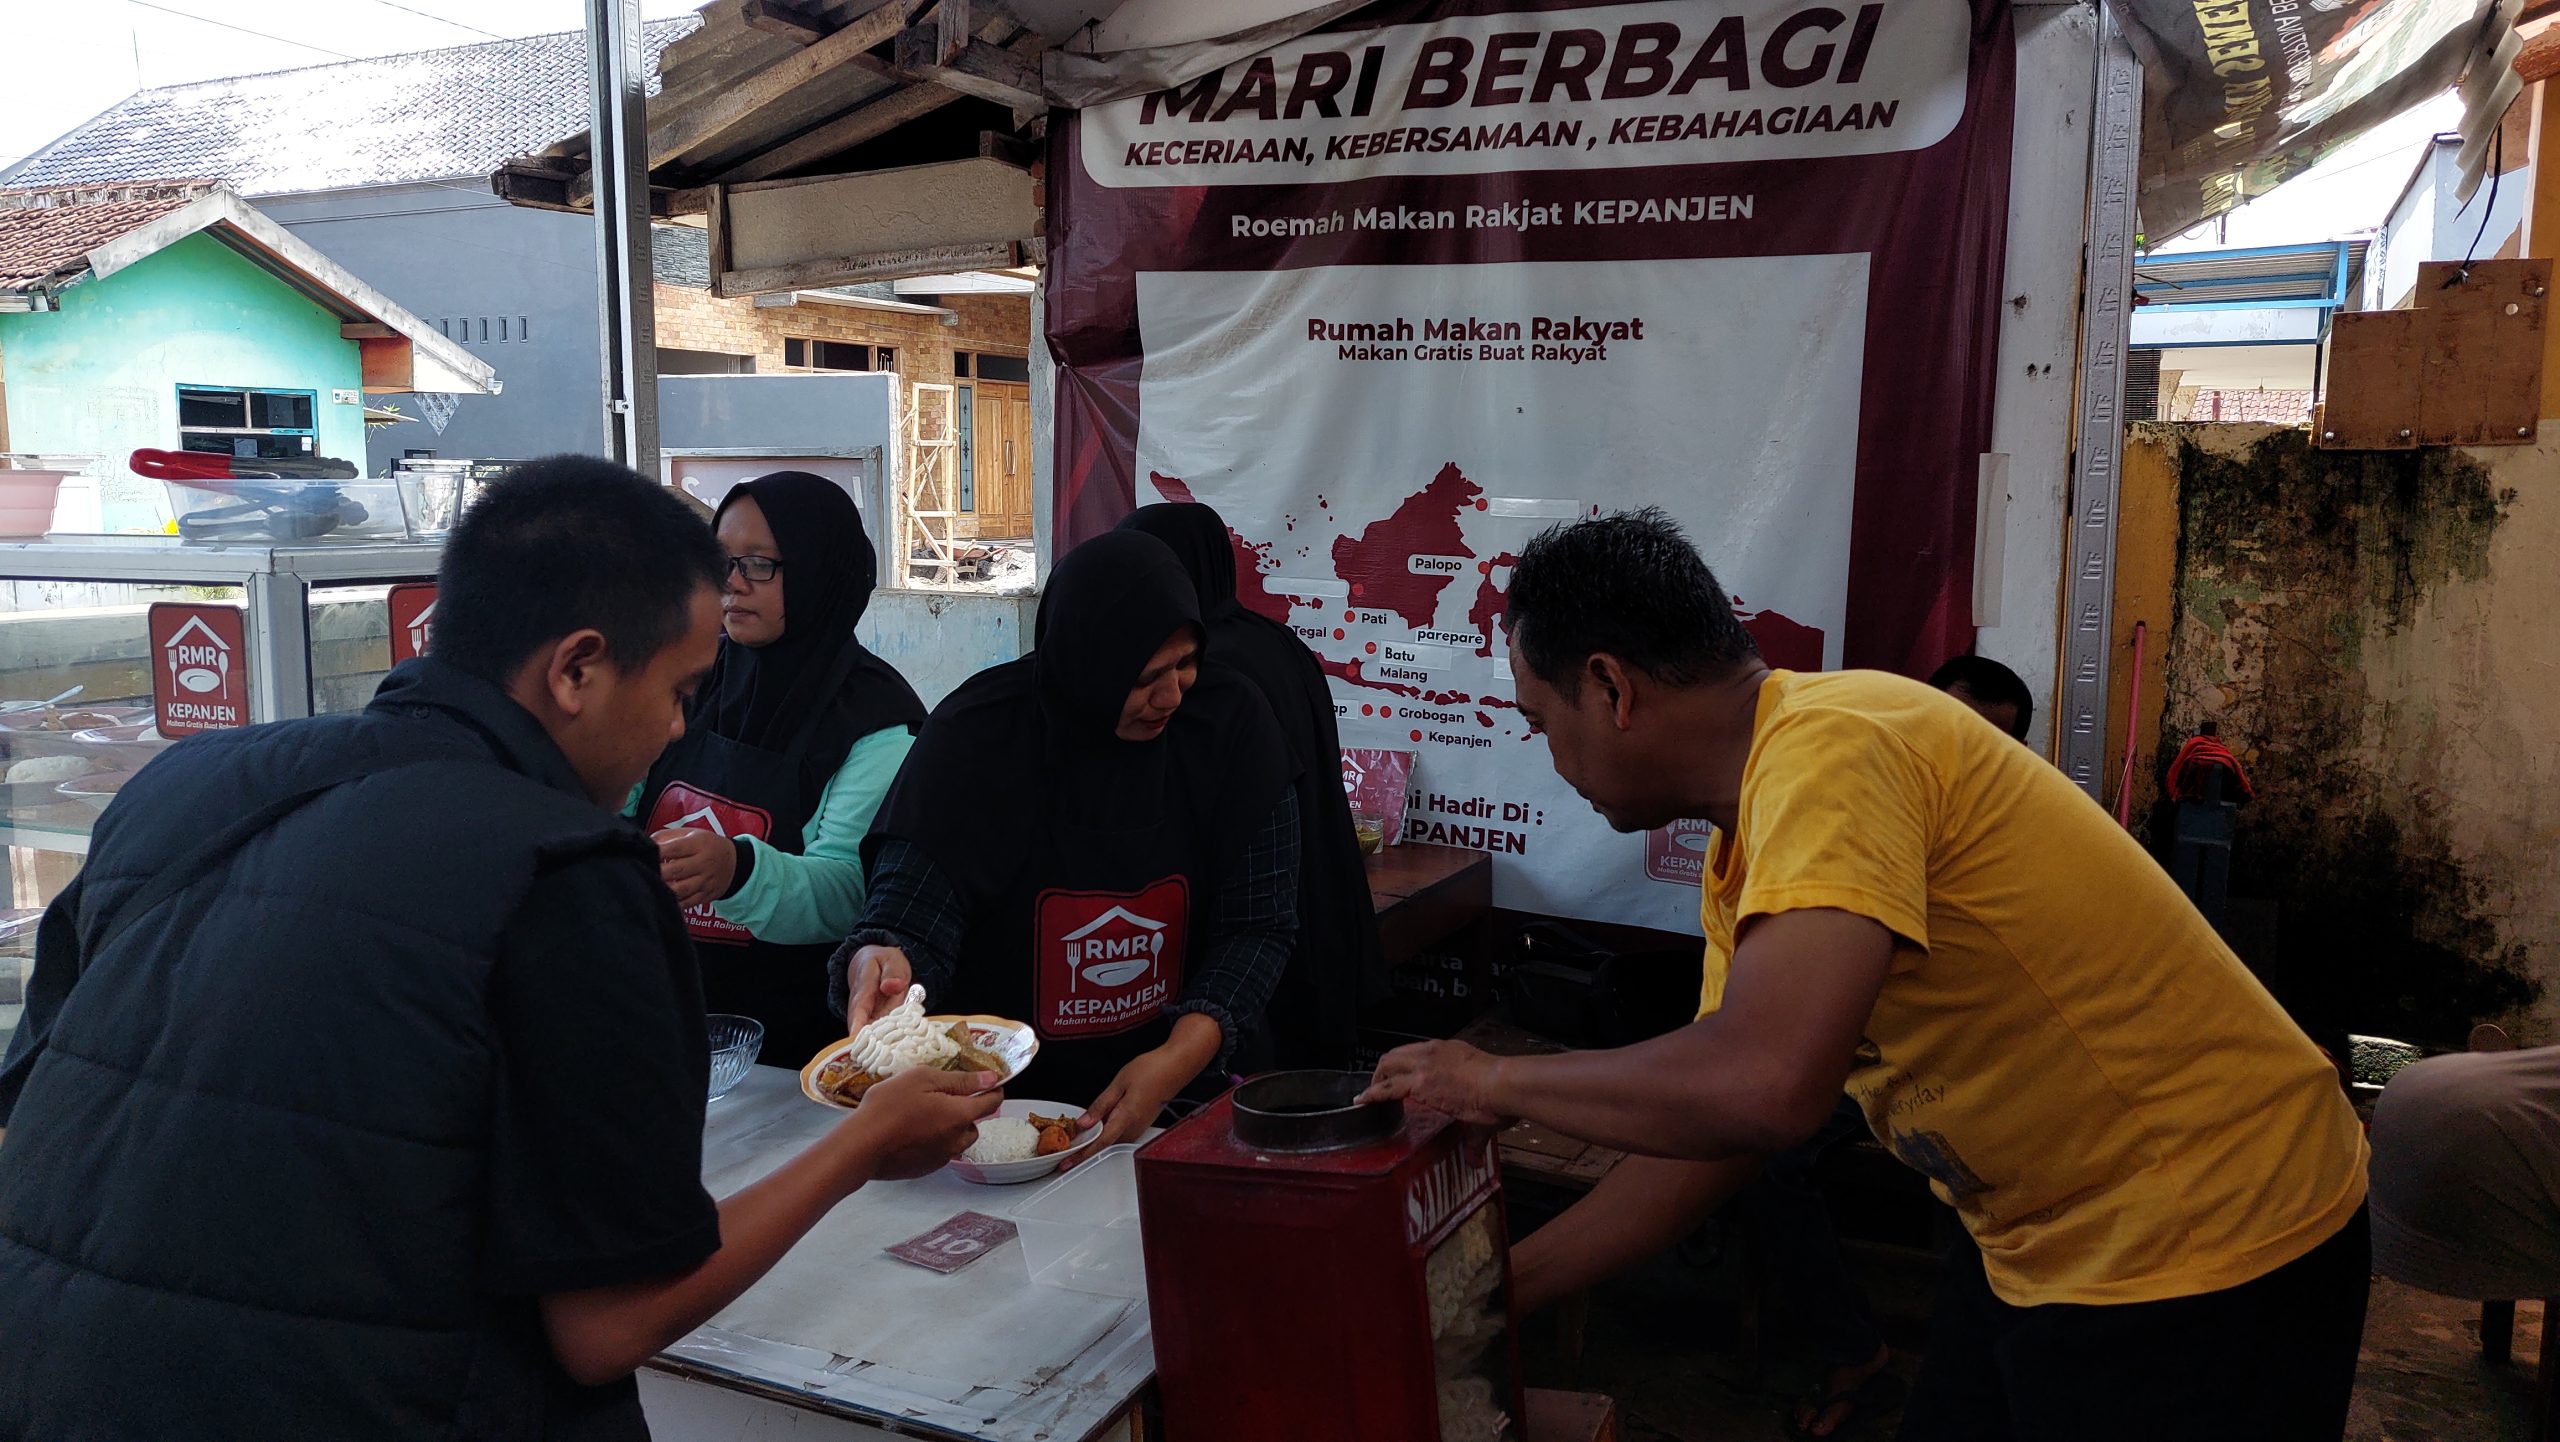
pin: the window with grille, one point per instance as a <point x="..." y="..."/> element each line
<point x="808" y="353"/>
<point x="247" y="423"/>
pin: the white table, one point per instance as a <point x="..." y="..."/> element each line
<point x="840" y="1341"/>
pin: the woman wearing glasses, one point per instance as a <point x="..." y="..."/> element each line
<point x="759" y="811"/>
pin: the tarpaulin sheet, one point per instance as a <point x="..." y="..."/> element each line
<point x="1398" y="292"/>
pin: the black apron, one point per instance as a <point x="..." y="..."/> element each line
<point x="1089" y="883"/>
<point x="1092" y="958"/>
<point x="734" y="789"/>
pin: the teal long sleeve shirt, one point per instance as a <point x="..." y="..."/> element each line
<point x="816" y="894"/>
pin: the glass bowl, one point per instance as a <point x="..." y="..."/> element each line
<point x="734" y="1043"/>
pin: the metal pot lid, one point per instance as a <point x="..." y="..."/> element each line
<point x="1312" y="1111"/>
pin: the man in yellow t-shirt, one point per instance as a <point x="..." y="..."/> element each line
<point x="2162" y="1182"/>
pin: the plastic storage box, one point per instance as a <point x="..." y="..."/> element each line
<point x="1081" y="1231"/>
<point x="288" y="511"/>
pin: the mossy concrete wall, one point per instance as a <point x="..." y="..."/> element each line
<point x="2377" y="635"/>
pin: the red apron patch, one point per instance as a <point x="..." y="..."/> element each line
<point x="1109" y="960"/>
<point x="699" y="810"/>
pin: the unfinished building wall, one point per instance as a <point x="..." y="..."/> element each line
<point x="2375" y="635"/>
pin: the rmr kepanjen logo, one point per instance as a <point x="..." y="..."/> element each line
<point x="413" y="620"/>
<point x="690" y="808"/>
<point x="200" y="668"/>
<point x="1678" y="853"/>
<point x="1111" y="960"/>
<point x="1115" y="948"/>
<point x="198" y="660"/>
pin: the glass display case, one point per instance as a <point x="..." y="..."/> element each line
<point x="77" y="658"/>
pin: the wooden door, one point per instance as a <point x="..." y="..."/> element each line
<point x="1001" y="467"/>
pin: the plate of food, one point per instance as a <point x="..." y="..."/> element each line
<point x="96" y="786"/>
<point x="903" y="1038"/>
<point x="36" y="781"/>
<point x="134" y="734"/>
<point x="1023" y="1142"/>
<point x="72" y="718"/>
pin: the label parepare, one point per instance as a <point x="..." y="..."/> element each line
<point x="1636" y="85"/>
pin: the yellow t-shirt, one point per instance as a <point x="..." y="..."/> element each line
<point x="2063" y="1046"/>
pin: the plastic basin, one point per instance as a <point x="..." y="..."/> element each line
<point x="26" y="502"/>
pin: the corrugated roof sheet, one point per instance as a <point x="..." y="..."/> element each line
<point x="2307" y="272"/>
<point x="46" y="234"/>
<point x="452" y="114"/>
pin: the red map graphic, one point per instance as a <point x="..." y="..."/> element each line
<point x="1426" y="524"/>
<point x="1375" y="565"/>
<point x="1785" y="643"/>
<point x="1486" y="614"/>
<point x="1253" y="561"/>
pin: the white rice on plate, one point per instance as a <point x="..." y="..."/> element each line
<point x="50" y="768"/>
<point x="1003" y="1139"/>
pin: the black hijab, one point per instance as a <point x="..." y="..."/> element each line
<point x="1339" y="965"/>
<point x="1040" y="732"/>
<point x="817" y="682"/>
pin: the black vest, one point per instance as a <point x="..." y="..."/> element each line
<point x="242" y="1196"/>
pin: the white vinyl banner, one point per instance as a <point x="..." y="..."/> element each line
<point x="1364" y="431"/>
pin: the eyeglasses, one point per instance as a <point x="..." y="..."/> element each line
<point x="755" y="568"/>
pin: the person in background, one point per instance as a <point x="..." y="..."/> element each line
<point x="759" y="811"/>
<point x="1996" y="693"/>
<point x="2466" y="1175"/>
<point x="360" y="1089"/>
<point x="1099" y="839"/>
<point x="1338" y="966"/>
<point x="2163" y="1185"/>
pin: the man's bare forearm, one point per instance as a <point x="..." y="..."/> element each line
<point x="1683" y="1096"/>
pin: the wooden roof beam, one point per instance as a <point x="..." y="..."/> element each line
<point x="791" y="22"/>
<point x="856" y="269"/>
<point x="846" y="131"/>
<point x="692" y="126"/>
<point x="976" y="68"/>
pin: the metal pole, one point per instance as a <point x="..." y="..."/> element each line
<point x="619" y="161"/>
<point x="279" y="605"/>
<point x="2106" y="304"/>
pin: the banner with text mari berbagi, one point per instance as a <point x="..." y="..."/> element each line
<point x="1399" y="293"/>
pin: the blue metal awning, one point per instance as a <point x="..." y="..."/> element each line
<point x="2272" y="277"/>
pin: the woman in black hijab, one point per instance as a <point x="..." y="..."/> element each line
<point x="1099" y="839"/>
<point x="759" y="811"/>
<point x="1338" y="966"/>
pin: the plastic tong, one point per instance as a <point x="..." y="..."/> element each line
<point x="291" y="511"/>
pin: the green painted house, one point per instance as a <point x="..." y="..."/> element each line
<point x="175" y="316"/>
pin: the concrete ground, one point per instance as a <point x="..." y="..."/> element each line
<point x="1671" y="1347"/>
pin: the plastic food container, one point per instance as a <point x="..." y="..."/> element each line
<point x="293" y="511"/>
<point x="1080" y="1232"/>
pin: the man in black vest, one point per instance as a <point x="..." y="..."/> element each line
<point x="360" y="1088"/>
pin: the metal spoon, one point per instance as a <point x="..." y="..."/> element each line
<point x="9" y="706"/>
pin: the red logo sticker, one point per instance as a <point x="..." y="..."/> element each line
<point x="413" y="620"/>
<point x="699" y="810"/>
<point x="199" y="668"/>
<point x="1678" y="853"/>
<point x="1109" y="960"/>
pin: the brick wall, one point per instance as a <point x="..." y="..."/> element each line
<point x="698" y="320"/>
